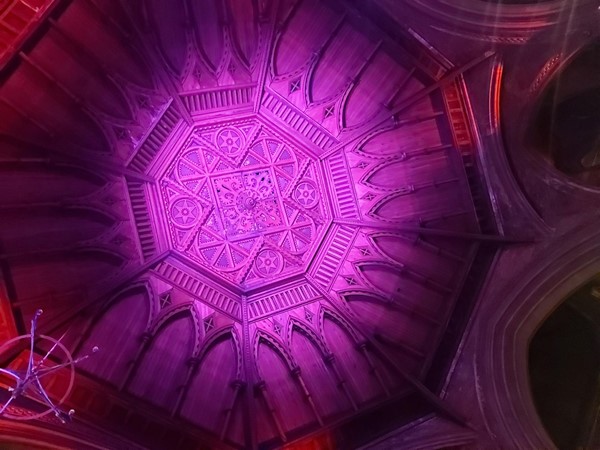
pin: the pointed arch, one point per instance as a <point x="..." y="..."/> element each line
<point x="377" y="82"/>
<point x="399" y="248"/>
<point x="209" y="35"/>
<point x="214" y="384"/>
<point x="116" y="329"/>
<point x="287" y="55"/>
<point x="405" y="333"/>
<point x="244" y="32"/>
<point x="164" y="18"/>
<point x="170" y="313"/>
<point x="162" y="368"/>
<point x="333" y="315"/>
<point x="366" y="295"/>
<point x="396" y="281"/>
<point x="350" y="354"/>
<point x="312" y="335"/>
<point x="373" y="272"/>
<point x="140" y="285"/>
<point x="215" y="338"/>
<point x="318" y="375"/>
<point x="276" y="345"/>
<point x="278" y="370"/>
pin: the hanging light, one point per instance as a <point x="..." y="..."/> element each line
<point x="29" y="382"/>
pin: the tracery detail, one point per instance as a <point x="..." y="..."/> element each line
<point x="241" y="199"/>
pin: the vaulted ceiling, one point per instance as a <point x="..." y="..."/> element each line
<point x="266" y="214"/>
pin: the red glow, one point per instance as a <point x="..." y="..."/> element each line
<point x="17" y="20"/>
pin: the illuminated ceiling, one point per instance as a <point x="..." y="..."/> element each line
<point x="239" y="200"/>
<point x="264" y="213"/>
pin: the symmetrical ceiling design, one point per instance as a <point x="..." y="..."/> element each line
<point x="240" y="200"/>
<point x="263" y="212"/>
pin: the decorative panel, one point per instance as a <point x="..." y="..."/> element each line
<point x="243" y="201"/>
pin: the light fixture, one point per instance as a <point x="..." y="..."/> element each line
<point x="30" y="381"/>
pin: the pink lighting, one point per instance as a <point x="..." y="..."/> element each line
<point x="18" y="19"/>
<point x="242" y="201"/>
<point x="265" y="213"/>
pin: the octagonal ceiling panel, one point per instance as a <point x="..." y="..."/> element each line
<point x="293" y="211"/>
<point x="242" y="201"/>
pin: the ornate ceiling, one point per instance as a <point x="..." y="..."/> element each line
<point x="263" y="212"/>
<point x="243" y="202"/>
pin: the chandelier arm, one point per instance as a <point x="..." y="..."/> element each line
<point x="57" y="412"/>
<point x="48" y="353"/>
<point x="8" y="402"/>
<point x="37" y="314"/>
<point x="49" y="370"/>
<point x="29" y="383"/>
<point x="14" y="391"/>
<point x="32" y="390"/>
<point x="9" y="372"/>
<point x="43" y="372"/>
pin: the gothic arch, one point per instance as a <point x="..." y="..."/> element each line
<point x="171" y="313"/>
<point x="276" y="345"/>
<point x="299" y="325"/>
<point x="505" y="331"/>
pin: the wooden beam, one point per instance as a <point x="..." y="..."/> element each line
<point x="265" y="61"/>
<point x="166" y="80"/>
<point x="316" y="57"/>
<point x="249" y="405"/>
<point x="82" y="55"/>
<point x="340" y="380"/>
<point x="458" y="235"/>
<point x="237" y="385"/>
<point x="272" y="411"/>
<point x="435" y="401"/>
<point x="390" y="101"/>
<point x="97" y="300"/>
<point x="61" y="87"/>
<point x="27" y="117"/>
<point x="448" y="78"/>
<point x="89" y="162"/>
<point x="123" y="280"/>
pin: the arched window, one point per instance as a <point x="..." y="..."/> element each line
<point x="567" y="125"/>
<point x="564" y="368"/>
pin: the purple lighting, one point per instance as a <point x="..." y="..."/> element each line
<point x="242" y="201"/>
<point x="263" y="212"/>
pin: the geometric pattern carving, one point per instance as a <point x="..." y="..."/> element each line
<point x="294" y="85"/>
<point x="264" y="304"/>
<point x="335" y="250"/>
<point x="165" y="299"/>
<point x="185" y="212"/>
<point x="243" y="201"/>
<point x="199" y="288"/>
<point x="209" y="323"/>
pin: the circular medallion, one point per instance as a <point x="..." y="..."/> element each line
<point x="247" y="200"/>
<point x="229" y="141"/>
<point x="185" y="212"/>
<point x="306" y="194"/>
<point x="268" y="262"/>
